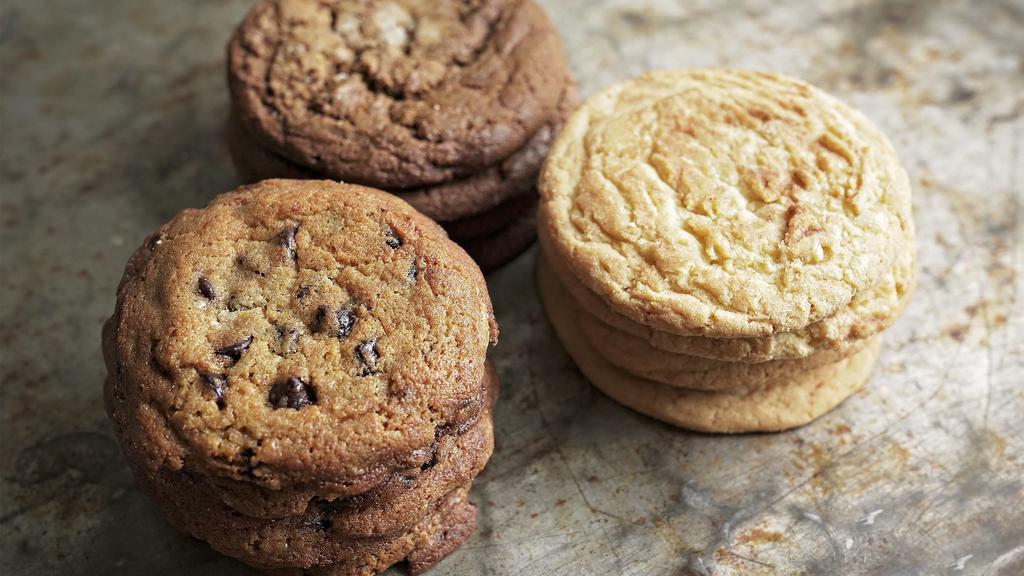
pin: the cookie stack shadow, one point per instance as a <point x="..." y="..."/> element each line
<point x="297" y="374"/>
<point x="449" y="105"/>
<point x="753" y="302"/>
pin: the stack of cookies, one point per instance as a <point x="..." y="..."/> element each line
<point x="450" y="105"/>
<point x="297" y="373"/>
<point x="720" y="249"/>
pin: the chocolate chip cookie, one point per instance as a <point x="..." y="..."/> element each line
<point x="289" y="318"/>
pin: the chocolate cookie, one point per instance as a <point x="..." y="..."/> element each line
<point x="493" y="252"/>
<point x="296" y="334"/>
<point x="459" y="199"/>
<point x="398" y="94"/>
<point x="491" y="222"/>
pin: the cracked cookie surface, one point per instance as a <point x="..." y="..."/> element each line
<point x="722" y="203"/>
<point x="395" y="93"/>
<point x="867" y="314"/>
<point x="296" y="334"/>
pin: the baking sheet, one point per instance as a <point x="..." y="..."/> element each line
<point x="112" y="120"/>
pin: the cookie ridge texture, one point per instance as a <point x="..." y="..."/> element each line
<point x="869" y="313"/>
<point x="781" y="406"/>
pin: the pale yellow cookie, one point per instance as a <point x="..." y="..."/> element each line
<point x="633" y="355"/>
<point x="722" y="203"/>
<point x="780" y="406"/>
<point x="871" y="312"/>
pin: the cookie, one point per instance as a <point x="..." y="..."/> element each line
<point x="260" y="502"/>
<point x="493" y="221"/>
<point x="321" y="525"/>
<point x="395" y="94"/>
<point x="780" y="406"/>
<point x="493" y="252"/>
<point x="302" y="335"/>
<point x="513" y="177"/>
<point x="465" y="199"/>
<point x="722" y="203"/>
<point x="871" y="312"/>
<point x="633" y="355"/>
<point x="421" y="548"/>
<point x="327" y="531"/>
<point x="254" y="162"/>
<point x="462" y="199"/>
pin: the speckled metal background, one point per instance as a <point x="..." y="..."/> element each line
<point x="112" y="120"/>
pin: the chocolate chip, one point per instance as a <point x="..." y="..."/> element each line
<point x="206" y="288"/>
<point x="323" y="318"/>
<point x="322" y="523"/>
<point x="413" y="272"/>
<point x="292" y="393"/>
<point x="392" y="239"/>
<point x="286" y="238"/>
<point x="217" y="383"/>
<point x="247" y="456"/>
<point x="234" y="351"/>
<point x="433" y="456"/>
<point x="346" y="321"/>
<point x="302" y="292"/>
<point x="408" y="480"/>
<point x="287" y="338"/>
<point x="336" y="322"/>
<point x="366" y="356"/>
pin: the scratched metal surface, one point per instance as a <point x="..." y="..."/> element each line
<point x="111" y="121"/>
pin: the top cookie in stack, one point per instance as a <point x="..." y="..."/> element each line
<point x="731" y="243"/>
<point x="451" y="105"/>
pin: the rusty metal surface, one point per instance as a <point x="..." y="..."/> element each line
<point x="112" y="112"/>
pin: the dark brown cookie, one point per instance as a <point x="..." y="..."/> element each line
<point x="493" y="252"/>
<point x="300" y="334"/>
<point x="491" y="222"/>
<point x="512" y="177"/>
<point x="398" y="94"/>
<point x="459" y="199"/>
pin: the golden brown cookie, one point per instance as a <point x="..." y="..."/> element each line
<point x="395" y="94"/>
<point x="296" y="335"/>
<point x="327" y="531"/>
<point x="438" y="535"/>
<point x="722" y="203"/>
<point x="779" y="406"/>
